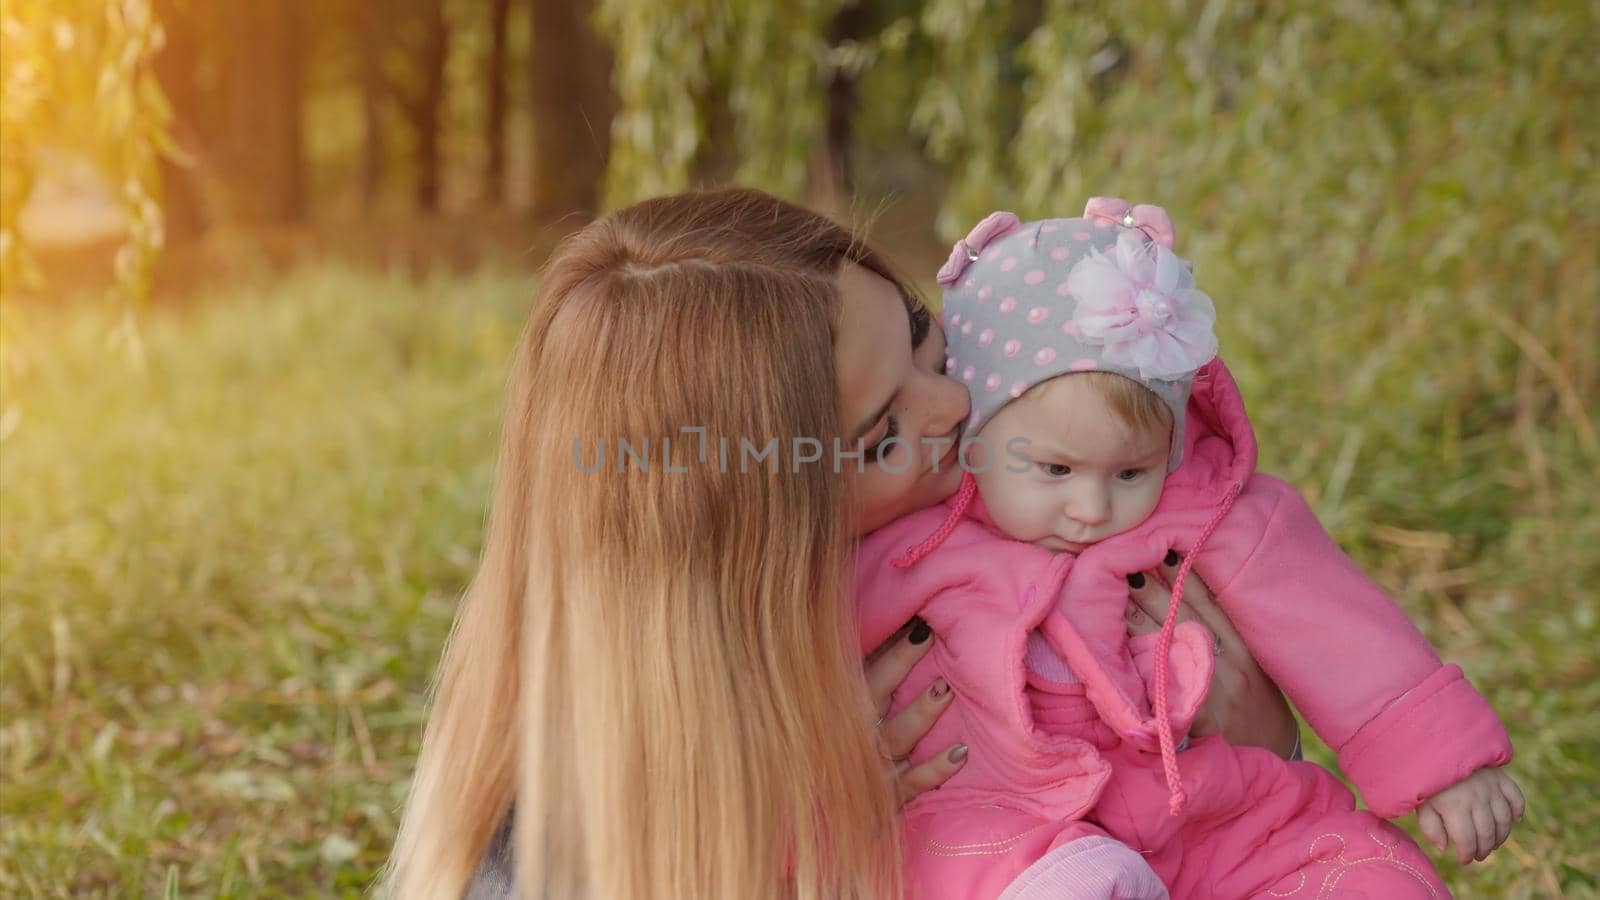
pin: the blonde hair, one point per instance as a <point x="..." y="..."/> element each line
<point x="1139" y="408"/>
<point x="659" y="666"/>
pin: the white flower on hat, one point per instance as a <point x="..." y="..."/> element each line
<point x="1140" y="305"/>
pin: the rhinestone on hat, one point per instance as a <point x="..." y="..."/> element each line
<point x="972" y="255"/>
<point x="1127" y="220"/>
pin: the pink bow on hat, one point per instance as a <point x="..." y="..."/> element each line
<point x="1152" y="220"/>
<point x="967" y="249"/>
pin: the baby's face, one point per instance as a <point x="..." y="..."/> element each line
<point x="1091" y="475"/>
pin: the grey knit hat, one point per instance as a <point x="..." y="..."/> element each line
<point x="1024" y="303"/>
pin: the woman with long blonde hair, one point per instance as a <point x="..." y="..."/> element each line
<point x="655" y="666"/>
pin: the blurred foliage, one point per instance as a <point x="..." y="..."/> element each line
<point x="74" y="74"/>
<point x="765" y="61"/>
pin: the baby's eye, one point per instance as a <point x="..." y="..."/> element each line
<point x="1129" y="474"/>
<point x="1056" y="470"/>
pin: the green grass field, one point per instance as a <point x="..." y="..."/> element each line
<point x="225" y="580"/>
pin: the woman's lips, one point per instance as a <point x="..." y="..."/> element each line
<point x="950" y="458"/>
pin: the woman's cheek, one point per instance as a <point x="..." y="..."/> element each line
<point x="884" y="496"/>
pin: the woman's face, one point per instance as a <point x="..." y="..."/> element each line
<point x="894" y="397"/>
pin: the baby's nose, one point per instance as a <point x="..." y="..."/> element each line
<point x="1089" y="506"/>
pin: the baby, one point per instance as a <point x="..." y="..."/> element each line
<point x="1105" y="438"/>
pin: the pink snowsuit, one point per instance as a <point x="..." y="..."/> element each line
<point x="1053" y="698"/>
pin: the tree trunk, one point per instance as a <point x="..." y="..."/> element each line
<point x="494" y="133"/>
<point x="572" y="104"/>
<point x="435" y="53"/>
<point x="265" y="167"/>
<point x="175" y="68"/>
<point x="832" y="178"/>
<point x="370" y="45"/>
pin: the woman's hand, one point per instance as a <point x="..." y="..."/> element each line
<point x="1244" y="705"/>
<point x="886" y="668"/>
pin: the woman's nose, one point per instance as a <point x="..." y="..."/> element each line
<point x="948" y="404"/>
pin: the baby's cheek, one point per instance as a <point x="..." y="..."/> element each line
<point x="1145" y="502"/>
<point x="1155" y="494"/>
<point x="1012" y="507"/>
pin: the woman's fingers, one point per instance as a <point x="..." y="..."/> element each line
<point x="1139" y="621"/>
<point x="886" y="669"/>
<point x="1198" y="599"/>
<point x="927" y="775"/>
<point x="1194" y="590"/>
<point x="1151" y="595"/>
<point x="908" y="726"/>
<point x="891" y="663"/>
<point x="1243" y="703"/>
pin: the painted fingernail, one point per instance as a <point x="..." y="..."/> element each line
<point x="1136" y="580"/>
<point x="939" y="689"/>
<point x="957" y="754"/>
<point x="920" y="632"/>
<point x="1171" y="558"/>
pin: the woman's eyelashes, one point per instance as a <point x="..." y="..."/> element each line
<point x="934" y="349"/>
<point x="880" y="450"/>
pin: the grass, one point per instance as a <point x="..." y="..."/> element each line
<point x="225" y="580"/>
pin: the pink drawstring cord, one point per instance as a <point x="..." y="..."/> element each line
<point x="958" y="508"/>
<point x="1169" y="752"/>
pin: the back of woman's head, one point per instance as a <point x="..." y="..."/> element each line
<point x="655" y="658"/>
